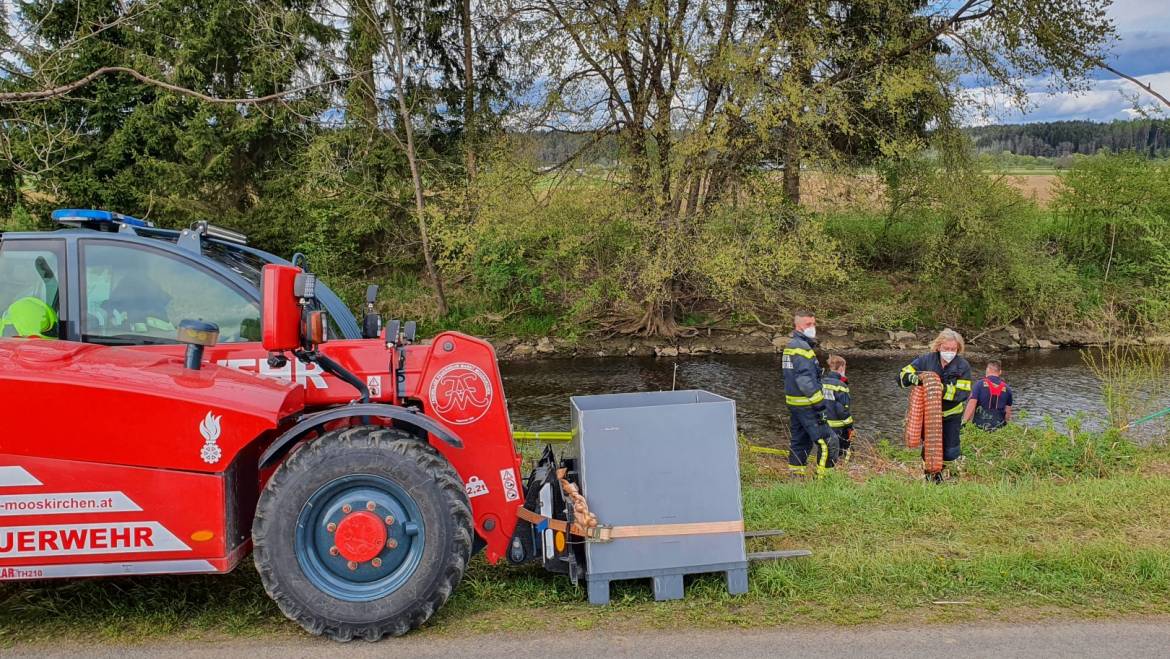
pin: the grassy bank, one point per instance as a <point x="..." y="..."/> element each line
<point x="1039" y="524"/>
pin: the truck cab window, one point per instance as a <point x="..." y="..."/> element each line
<point x="135" y="295"/>
<point x="30" y="292"/>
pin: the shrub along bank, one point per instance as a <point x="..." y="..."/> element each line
<point x="959" y="247"/>
<point x="1039" y="524"/>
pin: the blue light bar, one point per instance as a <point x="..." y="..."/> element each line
<point x="87" y="216"/>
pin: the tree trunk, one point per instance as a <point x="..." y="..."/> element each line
<point x="657" y="318"/>
<point x="412" y="158"/>
<point x="796" y="24"/>
<point x="469" y="123"/>
<point x="792" y="165"/>
<point x="361" y="102"/>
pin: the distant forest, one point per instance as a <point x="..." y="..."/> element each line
<point x="1055" y="139"/>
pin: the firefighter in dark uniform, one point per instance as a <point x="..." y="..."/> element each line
<point x="835" y="386"/>
<point x="990" y="405"/>
<point x="811" y="434"/>
<point x="946" y="359"/>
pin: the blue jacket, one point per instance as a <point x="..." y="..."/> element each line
<point x="836" y="389"/>
<point x="802" y="373"/>
<point x="993" y="397"/>
<point x="956" y="379"/>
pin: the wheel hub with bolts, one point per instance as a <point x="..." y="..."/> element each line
<point x="359" y="537"/>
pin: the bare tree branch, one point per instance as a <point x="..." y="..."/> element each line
<point x="62" y="90"/>
<point x="1145" y="86"/>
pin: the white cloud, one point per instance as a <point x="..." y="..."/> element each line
<point x="1106" y="100"/>
<point x="1140" y="14"/>
<point x="1142" y="49"/>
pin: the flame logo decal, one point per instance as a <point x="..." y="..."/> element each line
<point x="210" y="429"/>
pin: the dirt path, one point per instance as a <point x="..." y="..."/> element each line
<point x="1145" y="638"/>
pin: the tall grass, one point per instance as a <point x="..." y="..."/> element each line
<point x="1133" y="380"/>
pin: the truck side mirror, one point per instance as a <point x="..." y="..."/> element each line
<point x="372" y="321"/>
<point x="393" y="332"/>
<point x="280" y="316"/>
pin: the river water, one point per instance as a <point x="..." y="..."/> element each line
<point x="1046" y="384"/>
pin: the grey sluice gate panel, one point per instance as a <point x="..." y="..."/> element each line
<point x="667" y="457"/>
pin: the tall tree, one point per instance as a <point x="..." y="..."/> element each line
<point x="159" y="148"/>
<point x="469" y="127"/>
<point x="406" y="139"/>
<point x="699" y="92"/>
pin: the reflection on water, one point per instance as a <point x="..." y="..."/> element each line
<point x="1052" y="384"/>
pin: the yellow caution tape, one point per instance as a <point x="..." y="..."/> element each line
<point x="546" y="436"/>
<point x="768" y="451"/>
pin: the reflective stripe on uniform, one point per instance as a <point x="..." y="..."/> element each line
<point x="963" y="385"/>
<point x="833" y="423"/>
<point x="796" y="469"/>
<point x="801" y="352"/>
<point x="954" y="410"/>
<point x="804" y="401"/>
<point x="908" y="369"/>
<point x="949" y="393"/>
<point x="836" y="387"/>
<point x="823" y="460"/>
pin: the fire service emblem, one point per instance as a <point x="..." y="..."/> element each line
<point x="461" y="393"/>
<point x="209" y="428"/>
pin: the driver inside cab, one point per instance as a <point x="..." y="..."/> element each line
<point x="124" y="302"/>
<point x="138" y="305"/>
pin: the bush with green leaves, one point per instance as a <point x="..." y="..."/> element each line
<point x="538" y="246"/>
<point x="1113" y="222"/>
<point x="988" y="263"/>
<point x="967" y="248"/>
<point x="581" y="249"/>
<point x="757" y="255"/>
<point x="20" y="220"/>
<point x="1114" y="215"/>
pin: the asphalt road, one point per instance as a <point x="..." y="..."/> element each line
<point x="1145" y="638"/>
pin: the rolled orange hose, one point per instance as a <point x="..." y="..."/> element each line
<point x="924" y="421"/>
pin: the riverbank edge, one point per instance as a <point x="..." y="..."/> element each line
<point x="759" y="341"/>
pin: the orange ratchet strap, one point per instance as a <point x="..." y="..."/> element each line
<point x="609" y="533"/>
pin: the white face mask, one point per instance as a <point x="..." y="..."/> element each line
<point x="811" y="332"/>
<point x="948" y="356"/>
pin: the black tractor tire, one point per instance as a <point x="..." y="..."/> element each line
<point x="391" y="454"/>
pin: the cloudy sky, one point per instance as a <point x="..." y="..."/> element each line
<point x="1142" y="50"/>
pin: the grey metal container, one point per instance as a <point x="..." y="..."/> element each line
<point x="668" y="457"/>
